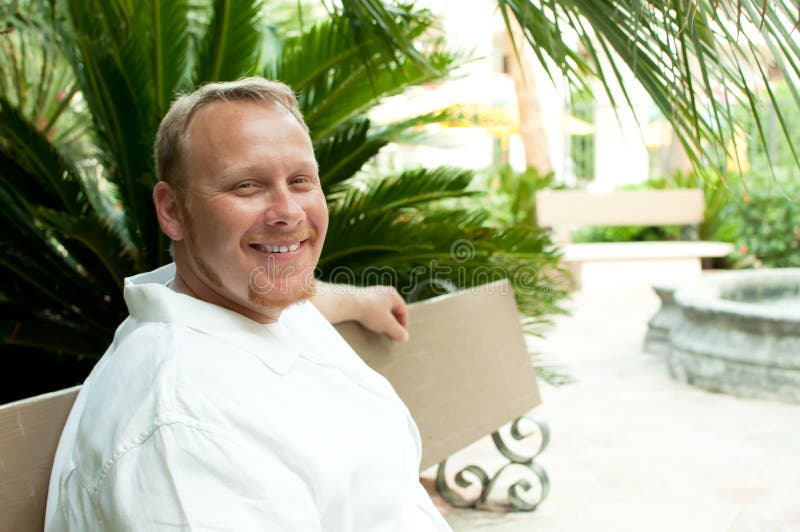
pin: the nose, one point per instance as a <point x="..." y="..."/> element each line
<point x="284" y="209"/>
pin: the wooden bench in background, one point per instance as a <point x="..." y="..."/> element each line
<point x="464" y="373"/>
<point x="599" y="264"/>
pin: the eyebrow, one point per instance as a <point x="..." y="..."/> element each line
<point x="237" y="170"/>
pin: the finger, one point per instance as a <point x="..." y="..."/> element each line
<point x="400" y="313"/>
<point x="400" y="310"/>
<point x="396" y="331"/>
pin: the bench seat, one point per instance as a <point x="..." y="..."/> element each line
<point x="613" y="264"/>
<point x="599" y="251"/>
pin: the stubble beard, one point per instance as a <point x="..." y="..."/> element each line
<point x="279" y="299"/>
<point x="277" y="286"/>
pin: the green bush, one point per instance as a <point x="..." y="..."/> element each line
<point x="768" y="219"/>
<point x="510" y="196"/>
<point x="627" y="233"/>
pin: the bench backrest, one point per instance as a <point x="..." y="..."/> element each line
<point x="29" y="433"/>
<point x="465" y="370"/>
<point x="556" y="208"/>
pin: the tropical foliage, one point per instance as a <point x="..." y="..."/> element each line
<point x="766" y="221"/>
<point x="512" y="195"/>
<point x="84" y="85"/>
<point x="776" y="157"/>
<point x="701" y="61"/>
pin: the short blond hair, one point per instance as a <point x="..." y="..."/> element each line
<point x="171" y="140"/>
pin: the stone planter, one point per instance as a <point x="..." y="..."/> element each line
<point x="656" y="341"/>
<point x="739" y="333"/>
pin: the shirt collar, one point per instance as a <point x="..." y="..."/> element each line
<point x="149" y="299"/>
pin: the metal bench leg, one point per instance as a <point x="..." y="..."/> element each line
<point x="521" y="496"/>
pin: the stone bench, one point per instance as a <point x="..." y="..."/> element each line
<point x="597" y="264"/>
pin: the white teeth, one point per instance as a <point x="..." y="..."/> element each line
<point x="278" y="249"/>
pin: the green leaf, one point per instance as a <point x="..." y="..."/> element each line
<point x="326" y="66"/>
<point x="53" y="179"/>
<point x="170" y="64"/>
<point x="230" y="47"/>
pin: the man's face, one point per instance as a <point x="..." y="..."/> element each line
<point x="254" y="213"/>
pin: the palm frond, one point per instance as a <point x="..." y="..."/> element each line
<point x="36" y="78"/>
<point x="50" y="256"/>
<point x="693" y="59"/>
<point x="101" y="243"/>
<point x="230" y="47"/>
<point x="394" y="193"/>
<point x="343" y="153"/>
<point x="53" y="180"/>
<point x="330" y="104"/>
<point x="542" y="29"/>
<point x="170" y="42"/>
<point x="310" y="56"/>
<point x="326" y="66"/>
<point x="96" y="37"/>
<point x="387" y="26"/>
<point x="365" y="215"/>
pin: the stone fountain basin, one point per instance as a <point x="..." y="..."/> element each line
<point x="739" y="333"/>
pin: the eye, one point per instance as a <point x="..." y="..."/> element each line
<point x="245" y="187"/>
<point x="302" y="181"/>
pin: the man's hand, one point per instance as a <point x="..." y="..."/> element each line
<point x="378" y="308"/>
<point x="383" y="310"/>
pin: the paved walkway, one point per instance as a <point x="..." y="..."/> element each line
<point x="633" y="450"/>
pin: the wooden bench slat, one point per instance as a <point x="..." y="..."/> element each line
<point x="29" y="434"/>
<point x="625" y="207"/>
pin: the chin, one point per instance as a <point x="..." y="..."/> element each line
<point x="283" y="297"/>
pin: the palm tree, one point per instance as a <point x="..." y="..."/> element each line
<point x="84" y="86"/>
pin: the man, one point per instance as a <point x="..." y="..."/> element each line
<point x="226" y="400"/>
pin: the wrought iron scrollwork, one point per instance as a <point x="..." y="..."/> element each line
<point x="521" y="494"/>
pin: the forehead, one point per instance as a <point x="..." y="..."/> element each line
<point x="235" y="132"/>
<point x="237" y="115"/>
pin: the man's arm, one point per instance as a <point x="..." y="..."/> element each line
<point x="184" y="477"/>
<point x="378" y="308"/>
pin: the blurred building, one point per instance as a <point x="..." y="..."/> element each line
<point x="588" y="142"/>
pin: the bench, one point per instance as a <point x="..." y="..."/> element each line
<point x="464" y="373"/>
<point x="608" y="263"/>
<point x="29" y="434"/>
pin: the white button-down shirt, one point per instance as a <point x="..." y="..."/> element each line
<point x="197" y="418"/>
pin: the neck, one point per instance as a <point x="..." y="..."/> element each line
<point x="188" y="283"/>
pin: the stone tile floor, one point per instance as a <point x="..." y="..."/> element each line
<point x="633" y="450"/>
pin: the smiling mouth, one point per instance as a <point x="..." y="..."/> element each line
<point x="277" y="248"/>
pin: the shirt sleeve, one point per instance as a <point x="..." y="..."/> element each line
<point x="186" y="478"/>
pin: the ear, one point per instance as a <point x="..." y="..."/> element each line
<point x="167" y="206"/>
